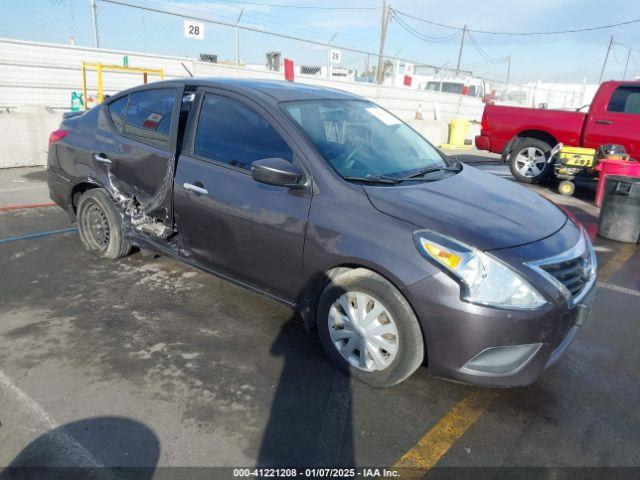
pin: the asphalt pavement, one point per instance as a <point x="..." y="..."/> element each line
<point x="146" y="362"/>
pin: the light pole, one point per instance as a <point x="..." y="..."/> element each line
<point x="329" y="55"/>
<point x="238" y="37"/>
<point x="94" y="14"/>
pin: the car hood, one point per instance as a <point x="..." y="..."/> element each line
<point x="475" y="207"/>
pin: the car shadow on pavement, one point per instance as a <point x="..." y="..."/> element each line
<point x="310" y="422"/>
<point x="36" y="175"/>
<point x="93" y="448"/>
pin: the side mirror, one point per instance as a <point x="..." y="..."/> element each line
<point x="276" y="171"/>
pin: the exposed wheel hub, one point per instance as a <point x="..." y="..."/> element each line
<point x="96" y="227"/>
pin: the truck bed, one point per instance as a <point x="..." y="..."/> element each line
<point x="502" y="123"/>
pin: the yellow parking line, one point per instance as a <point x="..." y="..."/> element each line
<point x="619" y="259"/>
<point x="437" y="441"/>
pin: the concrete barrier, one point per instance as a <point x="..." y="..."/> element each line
<point x="45" y="74"/>
<point x="437" y="131"/>
<point x="24" y="136"/>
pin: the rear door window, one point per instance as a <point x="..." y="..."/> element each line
<point x="118" y="111"/>
<point x="149" y="114"/>
<point x="625" y="99"/>
<point x="230" y="132"/>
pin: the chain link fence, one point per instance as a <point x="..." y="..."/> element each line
<point x="160" y="28"/>
<point x="54" y="21"/>
<point x="163" y="28"/>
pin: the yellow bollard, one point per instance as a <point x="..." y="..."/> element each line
<point x="457" y="134"/>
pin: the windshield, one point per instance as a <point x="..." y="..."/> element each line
<point x="359" y="139"/>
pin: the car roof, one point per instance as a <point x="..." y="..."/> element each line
<point x="270" y="90"/>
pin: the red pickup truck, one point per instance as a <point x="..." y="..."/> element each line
<point x="526" y="136"/>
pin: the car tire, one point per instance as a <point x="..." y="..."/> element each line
<point x="100" y="225"/>
<point x="528" y="160"/>
<point x="392" y="339"/>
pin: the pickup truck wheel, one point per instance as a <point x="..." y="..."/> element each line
<point x="100" y="225"/>
<point x="528" y="160"/>
<point x="368" y="328"/>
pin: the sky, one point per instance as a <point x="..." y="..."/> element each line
<point x="553" y="58"/>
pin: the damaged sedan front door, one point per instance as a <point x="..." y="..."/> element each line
<point x="135" y="151"/>
<point x="228" y="222"/>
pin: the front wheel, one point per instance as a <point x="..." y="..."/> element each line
<point x="528" y="160"/>
<point x="368" y="328"/>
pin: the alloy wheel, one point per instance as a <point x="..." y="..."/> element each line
<point x="530" y="161"/>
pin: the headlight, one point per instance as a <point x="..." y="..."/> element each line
<point x="483" y="279"/>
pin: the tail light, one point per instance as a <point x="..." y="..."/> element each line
<point x="484" y="123"/>
<point x="57" y="135"/>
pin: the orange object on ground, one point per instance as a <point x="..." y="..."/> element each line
<point x="31" y="205"/>
<point x="614" y="167"/>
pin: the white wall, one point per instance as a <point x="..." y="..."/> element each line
<point x="44" y="75"/>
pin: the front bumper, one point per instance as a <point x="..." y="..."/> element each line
<point x="457" y="332"/>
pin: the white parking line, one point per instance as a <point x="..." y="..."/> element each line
<point x="618" y="288"/>
<point x="67" y="443"/>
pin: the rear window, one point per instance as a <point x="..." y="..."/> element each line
<point x="625" y="100"/>
<point x="117" y="111"/>
<point x="148" y="117"/>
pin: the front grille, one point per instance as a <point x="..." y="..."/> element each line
<point x="574" y="273"/>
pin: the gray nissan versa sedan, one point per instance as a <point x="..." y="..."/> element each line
<point x="331" y="205"/>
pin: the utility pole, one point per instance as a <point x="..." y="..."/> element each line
<point x="383" y="37"/>
<point x="604" y="65"/>
<point x="329" y="55"/>
<point x="624" y="75"/>
<point x="94" y="14"/>
<point x="238" y="37"/>
<point x="464" y="33"/>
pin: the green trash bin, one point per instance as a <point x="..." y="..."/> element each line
<point x="620" y="212"/>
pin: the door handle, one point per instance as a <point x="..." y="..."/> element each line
<point x="98" y="157"/>
<point x="195" y="188"/>
<point x="604" y="122"/>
